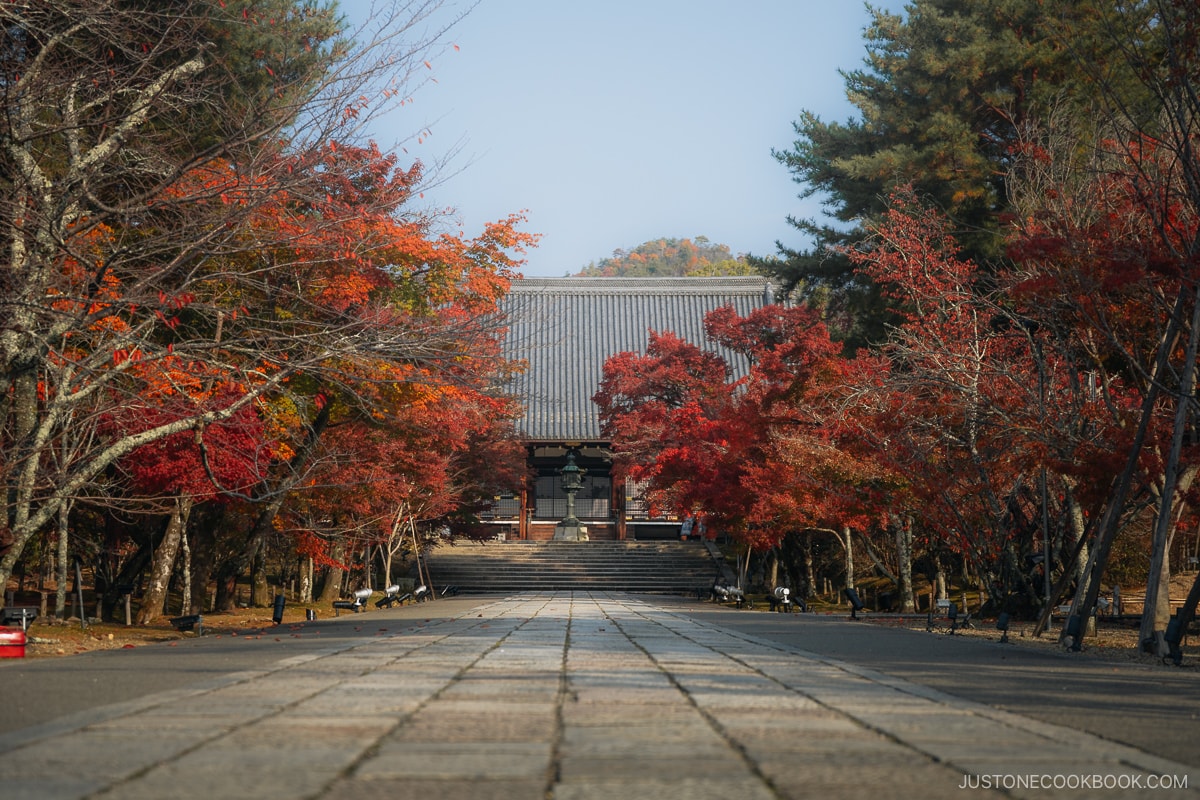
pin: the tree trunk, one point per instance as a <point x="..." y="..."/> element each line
<point x="24" y="407"/>
<point x="185" y="593"/>
<point x="848" y="547"/>
<point x="202" y="569"/>
<point x="226" y="599"/>
<point x="1156" y="612"/>
<point x="306" y="580"/>
<point x="385" y="554"/>
<point x="1060" y="586"/>
<point x="260" y="588"/>
<point x="332" y="588"/>
<point x="743" y="573"/>
<point x="128" y="574"/>
<point x="810" y="576"/>
<point x="1079" y="532"/>
<point x="393" y="545"/>
<point x="1089" y="589"/>
<point x="256" y="539"/>
<point x="163" y="563"/>
<point x="881" y="567"/>
<point x="64" y="562"/>
<point x="903" y="533"/>
<point x="1187" y="613"/>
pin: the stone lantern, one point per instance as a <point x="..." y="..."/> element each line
<point x="570" y="529"/>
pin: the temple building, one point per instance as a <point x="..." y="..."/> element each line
<point x="565" y="329"/>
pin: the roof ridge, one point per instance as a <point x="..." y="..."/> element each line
<point x="639" y="285"/>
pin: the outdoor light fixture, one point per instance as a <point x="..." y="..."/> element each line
<point x="1002" y="626"/>
<point x="572" y="482"/>
<point x="1072" y="629"/>
<point x="391" y="596"/>
<point x="1173" y="637"/>
<point x="355" y="605"/>
<point x="781" y="599"/>
<point x="571" y="529"/>
<point x="856" y="605"/>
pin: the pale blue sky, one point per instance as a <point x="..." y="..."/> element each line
<point x="616" y="122"/>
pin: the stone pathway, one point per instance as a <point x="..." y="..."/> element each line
<point x="571" y="697"/>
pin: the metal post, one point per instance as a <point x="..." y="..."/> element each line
<point x="1046" y="538"/>
<point x="79" y="594"/>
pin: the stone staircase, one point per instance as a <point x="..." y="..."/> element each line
<point x="619" y="566"/>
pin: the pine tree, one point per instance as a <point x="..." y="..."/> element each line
<point x="943" y="97"/>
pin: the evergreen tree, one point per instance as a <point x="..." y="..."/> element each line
<point x="943" y="98"/>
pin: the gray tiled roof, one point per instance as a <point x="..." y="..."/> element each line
<point x="565" y="328"/>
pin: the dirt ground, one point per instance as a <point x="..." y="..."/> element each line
<point x="57" y="639"/>
<point x="1114" y="640"/>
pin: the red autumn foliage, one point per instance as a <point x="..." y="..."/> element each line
<point x="709" y="441"/>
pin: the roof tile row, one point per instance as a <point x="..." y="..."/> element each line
<point x="566" y="328"/>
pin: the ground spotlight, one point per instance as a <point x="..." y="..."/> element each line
<point x="856" y="605"/>
<point x="1002" y="626"/>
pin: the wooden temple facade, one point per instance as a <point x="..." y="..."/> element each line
<point x="565" y="329"/>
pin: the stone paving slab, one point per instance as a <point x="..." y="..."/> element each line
<point x="570" y="696"/>
<point x="408" y="788"/>
<point x="458" y="760"/>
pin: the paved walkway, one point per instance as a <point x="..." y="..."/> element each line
<point x="570" y="697"/>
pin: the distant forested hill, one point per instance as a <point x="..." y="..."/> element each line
<point x="670" y="258"/>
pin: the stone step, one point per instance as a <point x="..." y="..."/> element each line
<point x="665" y="567"/>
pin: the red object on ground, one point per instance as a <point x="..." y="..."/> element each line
<point x="12" y="643"/>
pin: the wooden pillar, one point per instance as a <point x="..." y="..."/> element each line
<point x="523" y="514"/>
<point x="526" y="490"/>
<point x="617" y="503"/>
